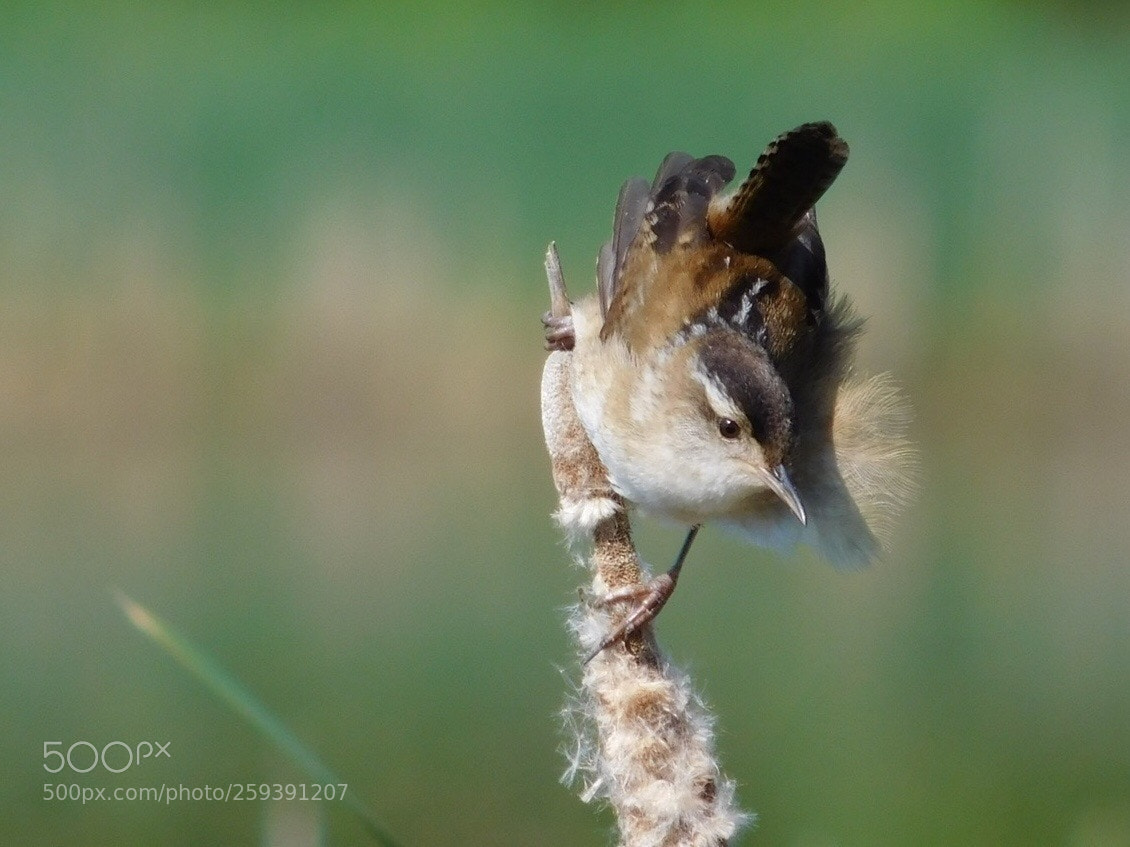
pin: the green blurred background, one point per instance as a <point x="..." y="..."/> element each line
<point x="270" y="282"/>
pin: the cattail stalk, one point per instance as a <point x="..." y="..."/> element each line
<point x="641" y="738"/>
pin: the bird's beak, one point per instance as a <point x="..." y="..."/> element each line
<point x="778" y="480"/>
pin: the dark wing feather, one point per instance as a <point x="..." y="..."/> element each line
<point x="606" y="275"/>
<point x="631" y="206"/>
<point x="803" y="261"/>
<point x="630" y="209"/>
<point x="672" y="164"/>
<point x="673" y="212"/>
<point x="682" y="198"/>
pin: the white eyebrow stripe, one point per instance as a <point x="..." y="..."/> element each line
<point x="719" y="399"/>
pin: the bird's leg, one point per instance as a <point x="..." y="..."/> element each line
<point x="650" y="598"/>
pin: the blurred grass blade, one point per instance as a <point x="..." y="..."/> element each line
<point x="228" y="689"/>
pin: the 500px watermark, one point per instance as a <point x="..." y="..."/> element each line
<point x="169" y="794"/>
<point x="115" y="756"/>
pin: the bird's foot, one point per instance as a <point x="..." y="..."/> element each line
<point x="649" y="598"/>
<point x="559" y="332"/>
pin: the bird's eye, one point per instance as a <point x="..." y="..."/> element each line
<point x="728" y="428"/>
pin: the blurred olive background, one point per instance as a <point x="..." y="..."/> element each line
<point x="269" y="354"/>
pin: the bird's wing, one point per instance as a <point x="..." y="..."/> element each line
<point x="642" y="271"/>
<point x="679" y="249"/>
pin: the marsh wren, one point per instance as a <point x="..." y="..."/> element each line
<point x="711" y="370"/>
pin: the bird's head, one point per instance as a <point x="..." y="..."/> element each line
<point x="739" y="417"/>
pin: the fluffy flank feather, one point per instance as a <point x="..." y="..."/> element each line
<point x="876" y="459"/>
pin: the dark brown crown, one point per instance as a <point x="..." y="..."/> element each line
<point x="747" y="376"/>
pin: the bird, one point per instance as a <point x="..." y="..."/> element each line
<point x="712" y="368"/>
